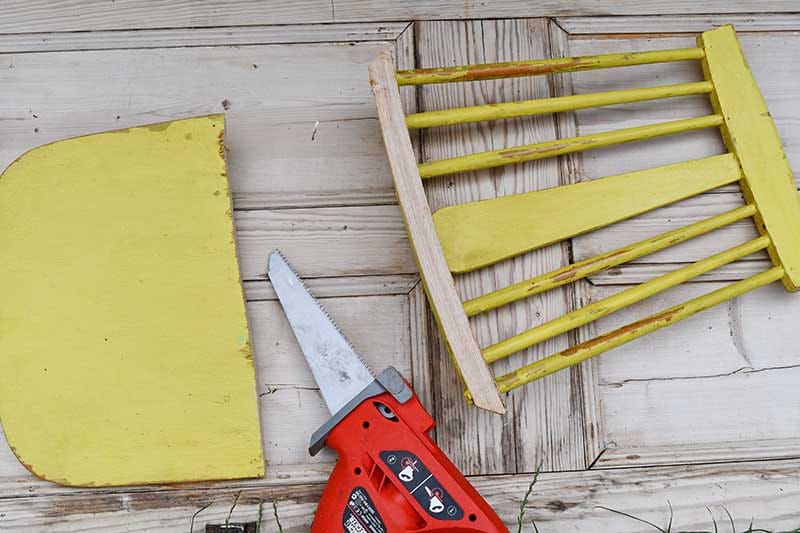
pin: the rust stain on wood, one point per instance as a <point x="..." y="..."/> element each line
<point x="221" y="138"/>
<point x="666" y="316"/>
<point x="575" y="270"/>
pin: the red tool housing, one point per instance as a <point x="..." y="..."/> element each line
<point x="392" y="478"/>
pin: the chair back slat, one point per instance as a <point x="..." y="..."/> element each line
<point x="477" y="234"/>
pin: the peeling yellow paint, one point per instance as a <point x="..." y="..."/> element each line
<point x="124" y="346"/>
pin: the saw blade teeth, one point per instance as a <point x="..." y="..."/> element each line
<point x="319" y="305"/>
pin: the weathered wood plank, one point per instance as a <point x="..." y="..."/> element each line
<point x="301" y="119"/>
<point x="291" y="408"/>
<point x="766" y="492"/>
<point x="420" y="354"/>
<point x="490" y="9"/>
<point x="40" y="15"/>
<point x="661" y="24"/>
<point x="325" y="242"/>
<point x="718" y="381"/>
<point x="639" y="273"/>
<point x="183" y="37"/>
<point x="583" y="377"/>
<point x="535" y="428"/>
<point x="256" y="290"/>
<point x="688" y="453"/>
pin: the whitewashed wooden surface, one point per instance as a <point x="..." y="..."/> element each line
<point x="703" y="414"/>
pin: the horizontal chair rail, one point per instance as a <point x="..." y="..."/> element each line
<point x="603" y="307"/>
<point x="519" y="154"/>
<point x="537" y="67"/>
<point x="463" y="115"/>
<point x="592" y="265"/>
<point x="625" y="334"/>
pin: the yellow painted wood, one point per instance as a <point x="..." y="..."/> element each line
<point x="531" y="152"/>
<point x="749" y="133"/>
<point x="462" y="115"/>
<point x="477" y="234"/>
<point x="592" y="265"/>
<point x="490" y="71"/>
<point x="601" y="308"/>
<point x="605" y="342"/>
<point x="124" y="346"/>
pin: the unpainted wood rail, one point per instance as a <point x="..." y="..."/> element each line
<point x="466" y="237"/>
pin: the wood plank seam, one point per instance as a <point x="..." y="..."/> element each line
<point x="256" y="35"/>
<point x="584" y="376"/>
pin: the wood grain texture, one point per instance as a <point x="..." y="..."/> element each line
<point x="682" y="23"/>
<point x="302" y="127"/>
<point x="257" y="290"/>
<point x="536" y="433"/>
<point x="681" y="454"/>
<point x="367" y="240"/>
<point x="635" y="330"/>
<point x="685" y="398"/>
<point x="75" y="15"/>
<point x="188" y="37"/>
<point x="566" y="501"/>
<point x="583" y="377"/>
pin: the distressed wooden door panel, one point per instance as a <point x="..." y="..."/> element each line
<point x="301" y="133"/>
<point x="721" y="386"/>
<point x="40" y="15"/>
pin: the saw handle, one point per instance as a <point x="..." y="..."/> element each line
<point x="391" y="477"/>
